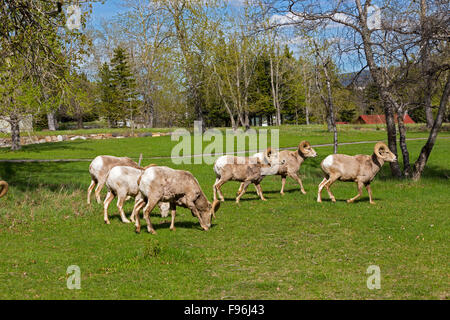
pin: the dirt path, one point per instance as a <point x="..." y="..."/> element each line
<point x="201" y="155"/>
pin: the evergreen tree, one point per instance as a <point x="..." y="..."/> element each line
<point x="106" y="91"/>
<point x="124" y="85"/>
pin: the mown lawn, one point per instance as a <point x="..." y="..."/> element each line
<point x="290" y="247"/>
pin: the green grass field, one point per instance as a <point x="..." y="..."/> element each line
<point x="290" y="247"/>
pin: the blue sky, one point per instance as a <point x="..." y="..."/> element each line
<point x="107" y="10"/>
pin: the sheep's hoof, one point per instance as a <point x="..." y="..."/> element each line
<point x="282" y="193"/>
<point x="138" y="230"/>
<point x="319" y="200"/>
<point x="372" y="202"/>
<point x="107" y="222"/>
<point x="151" y="231"/>
<point x="264" y="199"/>
<point x="333" y="200"/>
<point x="349" y="201"/>
<point x="303" y="191"/>
<point x="126" y="221"/>
<point x="172" y="229"/>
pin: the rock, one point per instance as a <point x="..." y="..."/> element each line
<point x="48" y="139"/>
<point x="59" y="138"/>
<point x="78" y="137"/>
<point x="145" y="134"/>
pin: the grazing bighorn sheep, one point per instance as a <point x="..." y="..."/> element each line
<point x="359" y="168"/>
<point x="4" y="188"/>
<point x="122" y="181"/>
<point x="99" y="169"/>
<point x="178" y="187"/>
<point x="244" y="169"/>
<point x="290" y="163"/>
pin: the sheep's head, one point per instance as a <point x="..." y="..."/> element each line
<point x="382" y="151"/>
<point x="209" y="214"/>
<point x="306" y="150"/>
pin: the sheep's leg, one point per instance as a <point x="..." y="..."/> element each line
<point x="138" y="204"/>
<point x="148" y="208"/>
<point x="137" y="217"/>
<point x="98" y="190"/>
<point x="172" y="223"/>
<point x="258" y="188"/>
<point x="369" y="191"/>
<point x="244" y="189"/>
<point x="120" y="201"/>
<point x="258" y="191"/>
<point x="240" y="188"/>
<point x="294" y="176"/>
<point x="214" y="189"/>
<point x="89" y="191"/>
<point x="217" y="187"/>
<point x="360" y="185"/>
<point x="108" y="199"/>
<point x="283" y="182"/>
<point x="319" y="193"/>
<point x="327" y="186"/>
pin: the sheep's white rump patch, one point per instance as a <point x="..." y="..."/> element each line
<point x="96" y="165"/>
<point x="328" y="161"/>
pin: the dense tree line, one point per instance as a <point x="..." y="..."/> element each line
<point x="251" y="63"/>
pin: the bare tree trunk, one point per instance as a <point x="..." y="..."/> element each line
<point x="192" y="82"/>
<point x="331" y="108"/>
<point x="375" y="72"/>
<point x="15" y="132"/>
<point x="80" y="121"/>
<point x="419" y="165"/>
<point x="403" y="146"/>
<point x="428" y="109"/>
<point x="425" y="52"/>
<point x="274" y="78"/>
<point x="246" y="121"/>
<point x="308" y="101"/>
<point x="51" y="119"/>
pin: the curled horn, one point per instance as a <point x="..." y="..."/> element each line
<point x="215" y="206"/>
<point x="378" y="147"/>
<point x="303" y="145"/>
<point x="150" y="165"/>
<point x="4" y="186"/>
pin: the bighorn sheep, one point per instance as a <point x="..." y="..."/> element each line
<point x="359" y="168"/>
<point x="4" y="188"/>
<point x="122" y="181"/>
<point x="290" y="163"/>
<point x="245" y="169"/>
<point x="99" y="169"/>
<point x="178" y="187"/>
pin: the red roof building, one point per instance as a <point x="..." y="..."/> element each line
<point x="380" y="119"/>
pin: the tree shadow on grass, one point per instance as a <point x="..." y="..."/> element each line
<point x="431" y="172"/>
<point x="52" y="176"/>
<point x="46" y="147"/>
